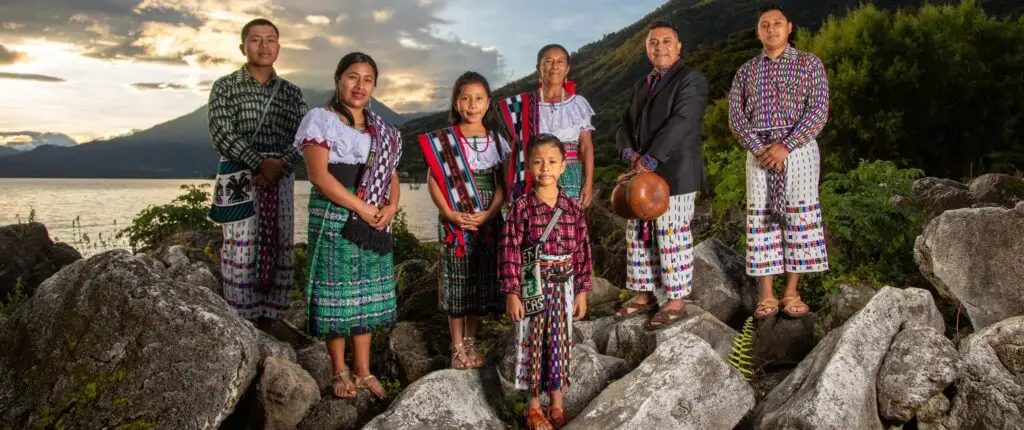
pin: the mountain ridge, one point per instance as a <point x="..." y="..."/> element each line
<point x="178" y="148"/>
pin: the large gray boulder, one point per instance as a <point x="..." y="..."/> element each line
<point x="589" y="374"/>
<point x="333" y="413"/>
<point x="28" y="257"/>
<point x="920" y="364"/>
<point x="998" y="188"/>
<point x="684" y="384"/>
<point x="446" y="399"/>
<point x="316" y="360"/>
<point x="410" y="355"/>
<point x="114" y="341"/>
<point x="937" y="195"/>
<point x="286" y="392"/>
<point x="720" y="285"/>
<point x="834" y="387"/>
<point x="990" y="391"/>
<point x="602" y="292"/>
<point x="845" y="301"/>
<point x="781" y="341"/>
<point x="630" y="341"/>
<point x="975" y="257"/>
<point x="192" y="266"/>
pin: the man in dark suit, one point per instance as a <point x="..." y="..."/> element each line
<point x="661" y="133"/>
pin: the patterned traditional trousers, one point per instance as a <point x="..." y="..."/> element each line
<point x="239" y="256"/>
<point x="798" y="244"/>
<point x="544" y="341"/>
<point x="664" y="263"/>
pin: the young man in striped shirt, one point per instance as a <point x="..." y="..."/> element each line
<point x="253" y="117"/>
<point x="777" y="106"/>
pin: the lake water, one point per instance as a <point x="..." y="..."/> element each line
<point x="87" y="213"/>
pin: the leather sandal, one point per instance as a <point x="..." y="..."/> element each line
<point x="788" y="303"/>
<point x="460" y="360"/>
<point x="535" y="420"/>
<point x="665" y="318"/>
<point x="476" y="359"/>
<point x="371" y="384"/>
<point x="637" y="309"/>
<point x="343" y="379"/>
<point x="557" y="417"/>
<point x="770" y="304"/>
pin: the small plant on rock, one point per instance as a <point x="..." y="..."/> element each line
<point x="742" y="344"/>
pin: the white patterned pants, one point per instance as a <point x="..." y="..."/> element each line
<point x="799" y="245"/>
<point x="238" y="261"/>
<point x="664" y="264"/>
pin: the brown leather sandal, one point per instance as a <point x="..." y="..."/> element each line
<point x="638" y="309"/>
<point x="343" y="379"/>
<point x="788" y="303"/>
<point x="476" y="359"/>
<point x="370" y="383"/>
<point x="665" y="318"/>
<point x="557" y="417"/>
<point x="535" y="420"/>
<point x="770" y="304"/>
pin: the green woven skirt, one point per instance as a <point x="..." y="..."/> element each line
<point x="572" y="180"/>
<point x="469" y="284"/>
<point x="350" y="290"/>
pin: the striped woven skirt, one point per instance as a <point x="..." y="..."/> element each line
<point x="572" y="180"/>
<point x="240" y="255"/>
<point x="544" y="341"/>
<point x="350" y="290"/>
<point x="469" y="284"/>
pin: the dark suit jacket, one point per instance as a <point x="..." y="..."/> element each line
<point x="667" y="126"/>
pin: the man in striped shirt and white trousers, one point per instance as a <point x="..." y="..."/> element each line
<point x="777" y="106"/>
<point x="253" y="117"/>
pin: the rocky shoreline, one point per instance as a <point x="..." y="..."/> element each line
<point x="146" y="341"/>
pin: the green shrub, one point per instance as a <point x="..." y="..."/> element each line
<point x="869" y="235"/>
<point x="187" y="212"/>
<point x="406" y="245"/>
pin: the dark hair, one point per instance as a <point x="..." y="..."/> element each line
<point x="343" y="65"/>
<point x="492" y="122"/>
<point x="546" y="48"/>
<point x="768" y="7"/>
<point x="660" y="23"/>
<point x="258" y="21"/>
<point x="544" y="139"/>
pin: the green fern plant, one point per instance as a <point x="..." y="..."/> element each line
<point x="742" y="344"/>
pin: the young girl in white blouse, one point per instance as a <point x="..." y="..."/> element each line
<point x="465" y="164"/>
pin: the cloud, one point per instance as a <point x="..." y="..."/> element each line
<point x="402" y="37"/>
<point x="30" y="77"/>
<point x="148" y="86"/>
<point x="8" y="56"/>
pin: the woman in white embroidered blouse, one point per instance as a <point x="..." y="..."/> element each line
<point x="351" y="287"/>
<point x="566" y="115"/>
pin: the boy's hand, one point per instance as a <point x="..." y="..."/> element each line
<point x="580" y="306"/>
<point x="514" y="307"/>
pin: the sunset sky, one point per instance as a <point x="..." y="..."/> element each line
<point x="95" y="68"/>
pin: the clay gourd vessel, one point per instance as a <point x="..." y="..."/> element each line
<point x="644" y="195"/>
